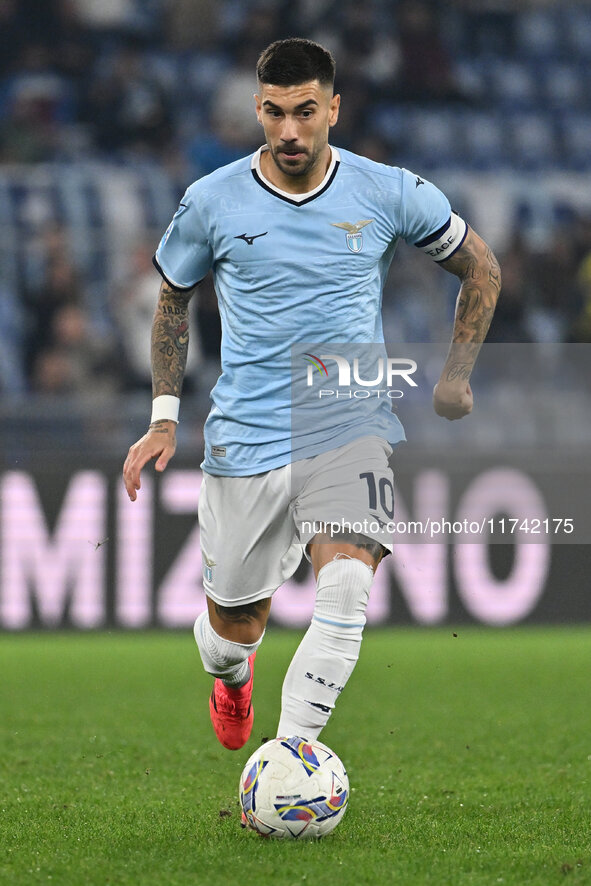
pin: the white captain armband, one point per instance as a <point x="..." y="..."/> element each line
<point x="165" y="407"/>
<point x="444" y="242"/>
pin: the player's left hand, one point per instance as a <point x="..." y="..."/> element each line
<point x="452" y="400"/>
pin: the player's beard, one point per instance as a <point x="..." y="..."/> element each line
<point x="299" y="168"/>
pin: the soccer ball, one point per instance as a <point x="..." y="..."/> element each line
<point x="293" y="789"/>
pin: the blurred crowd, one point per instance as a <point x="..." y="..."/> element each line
<point x="167" y="84"/>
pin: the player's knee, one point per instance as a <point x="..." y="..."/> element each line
<point x="373" y="548"/>
<point x="244" y="623"/>
<point x="361" y="542"/>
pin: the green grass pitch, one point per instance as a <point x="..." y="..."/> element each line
<point x="469" y="758"/>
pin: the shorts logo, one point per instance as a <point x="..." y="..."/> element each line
<point x="354" y="235"/>
<point x="208" y="568"/>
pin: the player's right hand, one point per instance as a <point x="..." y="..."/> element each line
<point x="158" y="443"/>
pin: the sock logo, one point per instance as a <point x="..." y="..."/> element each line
<point x="323" y="682"/>
<point x="321" y="707"/>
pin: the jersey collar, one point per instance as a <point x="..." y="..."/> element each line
<point x="295" y="199"/>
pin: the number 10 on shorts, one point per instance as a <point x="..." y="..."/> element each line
<point x="384" y="489"/>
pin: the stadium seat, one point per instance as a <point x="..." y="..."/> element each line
<point x="432" y="135"/>
<point x="482" y="134"/>
<point x="513" y="84"/>
<point x="577" y="25"/>
<point x="563" y="84"/>
<point x="539" y="34"/>
<point x="576" y="139"/>
<point x="390" y="121"/>
<point x="471" y="77"/>
<point x="533" y="140"/>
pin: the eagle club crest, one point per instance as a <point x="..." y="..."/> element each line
<point x="354" y="235"/>
<point x="208" y="567"/>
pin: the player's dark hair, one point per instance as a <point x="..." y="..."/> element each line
<point x="294" y="61"/>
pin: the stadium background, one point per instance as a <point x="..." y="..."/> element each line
<point x="107" y="111"/>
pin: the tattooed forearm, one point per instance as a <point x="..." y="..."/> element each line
<point x="170" y="340"/>
<point x="480" y="276"/>
<point x="458" y="370"/>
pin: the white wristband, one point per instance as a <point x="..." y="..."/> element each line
<point x="165" y="407"/>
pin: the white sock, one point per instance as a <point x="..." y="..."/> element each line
<point x="223" y="658"/>
<point x="325" y="658"/>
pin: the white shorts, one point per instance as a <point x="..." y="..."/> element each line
<point x="254" y="530"/>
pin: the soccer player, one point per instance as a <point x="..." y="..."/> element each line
<point x="300" y="236"/>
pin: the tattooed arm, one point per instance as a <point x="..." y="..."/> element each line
<point x="480" y="276"/>
<point x="170" y="343"/>
<point x="170" y="340"/>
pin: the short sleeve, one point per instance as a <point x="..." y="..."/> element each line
<point x="427" y="219"/>
<point x="184" y="255"/>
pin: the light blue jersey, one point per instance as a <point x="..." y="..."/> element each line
<point x="291" y="270"/>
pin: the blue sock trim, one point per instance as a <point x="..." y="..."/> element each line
<point x="337" y="624"/>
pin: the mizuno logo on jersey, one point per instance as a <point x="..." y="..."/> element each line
<point x="250" y="238"/>
<point x="354" y="235"/>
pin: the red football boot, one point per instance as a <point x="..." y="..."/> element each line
<point x="231" y="711"/>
